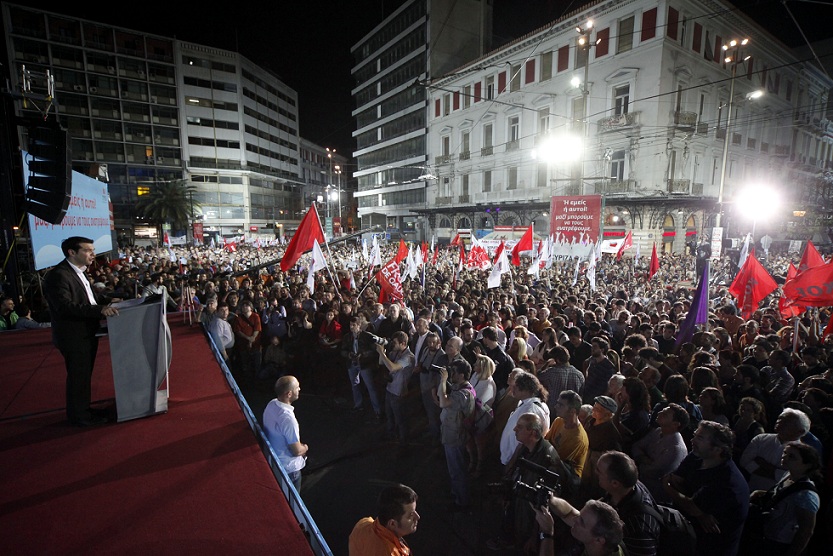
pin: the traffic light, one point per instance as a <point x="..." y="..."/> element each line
<point x="49" y="187"/>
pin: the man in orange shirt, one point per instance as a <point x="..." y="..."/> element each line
<point x="396" y="518"/>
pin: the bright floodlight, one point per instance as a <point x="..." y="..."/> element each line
<point x="757" y="202"/>
<point x="575" y="81"/>
<point x="559" y="149"/>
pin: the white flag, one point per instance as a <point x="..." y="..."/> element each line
<point x="412" y="267"/>
<point x="575" y="272"/>
<point x="591" y="270"/>
<point x="501" y="267"/>
<point x="318" y="263"/>
<point x="744" y="252"/>
<point x="636" y="257"/>
<point x="365" y="256"/>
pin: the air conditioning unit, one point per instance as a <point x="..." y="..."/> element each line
<point x="141" y="73"/>
<point x="93" y="89"/>
<point x="111" y="70"/>
<point x="77" y="87"/>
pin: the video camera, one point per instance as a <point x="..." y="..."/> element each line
<point x="545" y="486"/>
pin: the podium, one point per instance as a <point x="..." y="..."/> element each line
<point x="140" y="351"/>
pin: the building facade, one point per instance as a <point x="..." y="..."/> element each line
<point x="422" y="38"/>
<point x="665" y="126"/>
<point x="154" y="109"/>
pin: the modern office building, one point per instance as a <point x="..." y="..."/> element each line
<point x="666" y="126"/>
<point x="420" y="40"/>
<point x="154" y="109"/>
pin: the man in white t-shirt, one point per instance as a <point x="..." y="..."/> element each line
<point x="281" y="428"/>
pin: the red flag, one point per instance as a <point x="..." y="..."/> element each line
<point x="308" y="233"/>
<point x="402" y="253"/>
<point x="628" y="243"/>
<point x="462" y="257"/>
<point x="811" y="288"/>
<point x="752" y="284"/>
<point x="654" y="268"/>
<point x="436" y="255"/>
<point x="828" y="330"/>
<point x="424" y="252"/>
<point x="391" y="282"/>
<point x="789" y="311"/>
<point x="525" y="244"/>
<point x="456" y="240"/>
<point x="498" y="251"/>
<point x="810" y="258"/>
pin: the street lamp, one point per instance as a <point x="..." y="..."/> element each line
<point x="338" y="173"/>
<point x="734" y="59"/>
<point x="757" y="202"/>
<point x="585" y="41"/>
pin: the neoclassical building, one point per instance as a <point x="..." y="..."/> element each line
<point x="637" y="102"/>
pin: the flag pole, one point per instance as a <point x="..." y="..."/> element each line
<point x="327" y="244"/>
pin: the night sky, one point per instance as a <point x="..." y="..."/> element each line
<point x="307" y="43"/>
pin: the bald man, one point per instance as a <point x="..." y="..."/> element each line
<point x="281" y="428"/>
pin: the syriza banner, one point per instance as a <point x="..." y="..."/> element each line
<point x="576" y="219"/>
<point x="88" y="215"/>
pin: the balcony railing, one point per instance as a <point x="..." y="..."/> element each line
<point x="679" y="187"/>
<point x="442" y="159"/>
<point x="464" y="155"/>
<point x="617" y="122"/>
<point x="465" y="199"/>
<point x="751" y="143"/>
<point x="615" y="187"/>
<point x="486" y="151"/>
<point x="512" y="145"/>
<point x="443" y="200"/>
<point x="685" y="120"/>
<point x="702" y="128"/>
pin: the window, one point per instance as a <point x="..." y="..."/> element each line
<point x="490" y="87"/>
<point x="466" y="96"/>
<point x="621" y="99"/>
<point x="578" y="114"/>
<point x="625" y="40"/>
<point x="464" y="185"/>
<point x="487" y="135"/>
<point x="446" y="105"/>
<point x="617" y="166"/>
<point x="546" y="65"/>
<point x="515" y="84"/>
<point x="514" y="128"/>
<point x="581" y="55"/>
<point x="543" y="168"/>
<point x="512" y="180"/>
<point x="465" y="142"/>
<point x="487" y="181"/>
<point x="446" y="145"/>
<point x="543" y="120"/>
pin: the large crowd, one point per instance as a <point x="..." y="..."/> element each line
<point x="731" y="426"/>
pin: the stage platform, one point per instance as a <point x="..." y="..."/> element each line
<point x="190" y="481"/>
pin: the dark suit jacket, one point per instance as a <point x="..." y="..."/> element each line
<point x="74" y="319"/>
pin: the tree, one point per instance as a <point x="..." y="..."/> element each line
<point x="167" y="203"/>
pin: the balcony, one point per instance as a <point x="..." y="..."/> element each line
<point x="465" y="155"/>
<point x="702" y="129"/>
<point x="685" y="120"/>
<point x="512" y="145"/>
<point x="465" y="199"/>
<point x="442" y="159"/>
<point x="764" y="147"/>
<point x="618" y="122"/>
<point x="736" y="139"/>
<point x="782" y="150"/>
<point x="679" y="187"/>
<point x="443" y="201"/>
<point x="487" y="151"/>
<point x="751" y="143"/>
<point x="614" y="187"/>
<point x="720" y="133"/>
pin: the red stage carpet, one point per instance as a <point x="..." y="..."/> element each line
<point x="191" y="481"/>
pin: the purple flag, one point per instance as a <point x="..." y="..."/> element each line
<point x="699" y="312"/>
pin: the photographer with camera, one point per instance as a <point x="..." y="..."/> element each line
<point x="619" y="478"/>
<point x="532" y="478"/>
<point x="431" y="357"/>
<point x="399" y="364"/>
<point x="361" y="360"/>
<point x="597" y="528"/>
<point x="456" y="405"/>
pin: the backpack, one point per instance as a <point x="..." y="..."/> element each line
<point x="677" y="536"/>
<point x="479" y="420"/>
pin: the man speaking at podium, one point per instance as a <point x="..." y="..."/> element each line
<point x="76" y="312"/>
